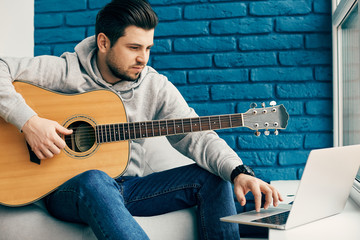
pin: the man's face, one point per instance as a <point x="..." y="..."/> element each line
<point x="130" y="54"/>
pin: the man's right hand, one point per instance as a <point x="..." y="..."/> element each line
<point x="43" y="136"/>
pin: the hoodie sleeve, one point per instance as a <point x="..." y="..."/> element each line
<point x="13" y="107"/>
<point x="206" y="148"/>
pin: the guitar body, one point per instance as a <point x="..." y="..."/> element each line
<point x="23" y="181"/>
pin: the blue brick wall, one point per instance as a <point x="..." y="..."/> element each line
<point x="223" y="55"/>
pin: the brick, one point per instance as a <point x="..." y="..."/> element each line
<point x="319" y="107"/>
<point x="182" y="61"/>
<point x="293" y="107"/>
<point x="302" y="90"/>
<point x="229" y="139"/>
<point x="208" y="109"/>
<point x="98" y="3"/>
<point x="213" y="11"/>
<point x="81" y="18"/>
<point x="90" y="31"/>
<point x="273" y="174"/>
<point x="245" y="59"/>
<point x="282" y="74"/>
<point x="316" y="41"/>
<point x="48" y="20"/>
<point x="205" y="44"/>
<point x="271" y="42"/>
<point x="287" y="158"/>
<point x="61" y="48"/>
<point x="170" y="2"/>
<point x="318" y="140"/>
<point x="216" y="76"/>
<point x="323" y="73"/>
<point x="322" y="6"/>
<point x="282" y="141"/>
<point x="42" y="50"/>
<point x="309" y="123"/>
<point x="242" y="26"/>
<point x="168" y="13"/>
<point x="176" y="77"/>
<point x="202" y="93"/>
<point x="59" y="6"/>
<point x="277" y="8"/>
<point x="310" y="23"/>
<point x="182" y="28"/>
<point x="258" y="158"/>
<point x="305" y="57"/>
<point x="56" y="35"/>
<point x="162" y="46"/>
<point x="242" y="91"/>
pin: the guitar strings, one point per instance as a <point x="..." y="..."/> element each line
<point x="131" y="129"/>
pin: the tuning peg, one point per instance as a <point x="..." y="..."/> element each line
<point x="272" y="103"/>
<point x="263" y="104"/>
<point x="257" y="133"/>
<point x="276" y="132"/>
<point x="253" y="105"/>
<point x="267" y="132"/>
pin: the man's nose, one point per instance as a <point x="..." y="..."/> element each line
<point x="142" y="57"/>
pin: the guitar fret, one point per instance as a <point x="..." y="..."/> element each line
<point x="98" y="134"/>
<point x="143" y="129"/>
<point x="106" y="133"/>
<point x="182" y="120"/>
<point x="167" y="127"/>
<point x="122" y="131"/>
<point x="111" y="133"/>
<point x="152" y="128"/>
<point x="179" y="128"/>
<point x="137" y="130"/>
<point x="102" y="134"/>
<point x="174" y="126"/>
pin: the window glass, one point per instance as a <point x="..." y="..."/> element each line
<point x="350" y="64"/>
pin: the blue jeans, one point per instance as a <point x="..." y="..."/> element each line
<point x="107" y="205"/>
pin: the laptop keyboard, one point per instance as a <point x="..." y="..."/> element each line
<point x="277" y="219"/>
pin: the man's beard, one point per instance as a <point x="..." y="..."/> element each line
<point x="122" y="75"/>
<point x="119" y="73"/>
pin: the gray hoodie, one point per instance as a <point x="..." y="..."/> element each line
<point x="152" y="97"/>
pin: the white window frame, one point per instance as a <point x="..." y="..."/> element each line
<point x="17" y="28"/>
<point x="341" y="8"/>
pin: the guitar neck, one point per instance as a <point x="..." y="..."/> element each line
<point x="137" y="130"/>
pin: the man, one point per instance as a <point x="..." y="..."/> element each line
<point x="116" y="59"/>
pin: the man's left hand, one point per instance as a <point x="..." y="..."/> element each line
<point x="244" y="183"/>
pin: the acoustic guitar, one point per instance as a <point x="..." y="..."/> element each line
<point x="100" y="139"/>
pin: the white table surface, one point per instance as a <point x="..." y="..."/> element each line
<point x="343" y="226"/>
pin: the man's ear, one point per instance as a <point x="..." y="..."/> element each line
<point x="103" y="42"/>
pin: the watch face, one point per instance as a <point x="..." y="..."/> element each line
<point x="248" y="170"/>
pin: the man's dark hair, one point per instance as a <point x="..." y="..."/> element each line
<point x="119" y="14"/>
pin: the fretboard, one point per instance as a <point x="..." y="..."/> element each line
<point x="137" y="130"/>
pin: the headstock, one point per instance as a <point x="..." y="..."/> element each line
<point x="273" y="117"/>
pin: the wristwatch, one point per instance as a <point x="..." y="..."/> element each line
<point x="241" y="169"/>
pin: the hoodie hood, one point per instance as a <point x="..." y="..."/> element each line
<point x="86" y="52"/>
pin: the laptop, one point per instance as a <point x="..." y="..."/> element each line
<point x="323" y="191"/>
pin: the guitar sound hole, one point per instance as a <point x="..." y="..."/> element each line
<point x="83" y="137"/>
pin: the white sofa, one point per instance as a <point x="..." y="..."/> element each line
<point x="33" y="222"/>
